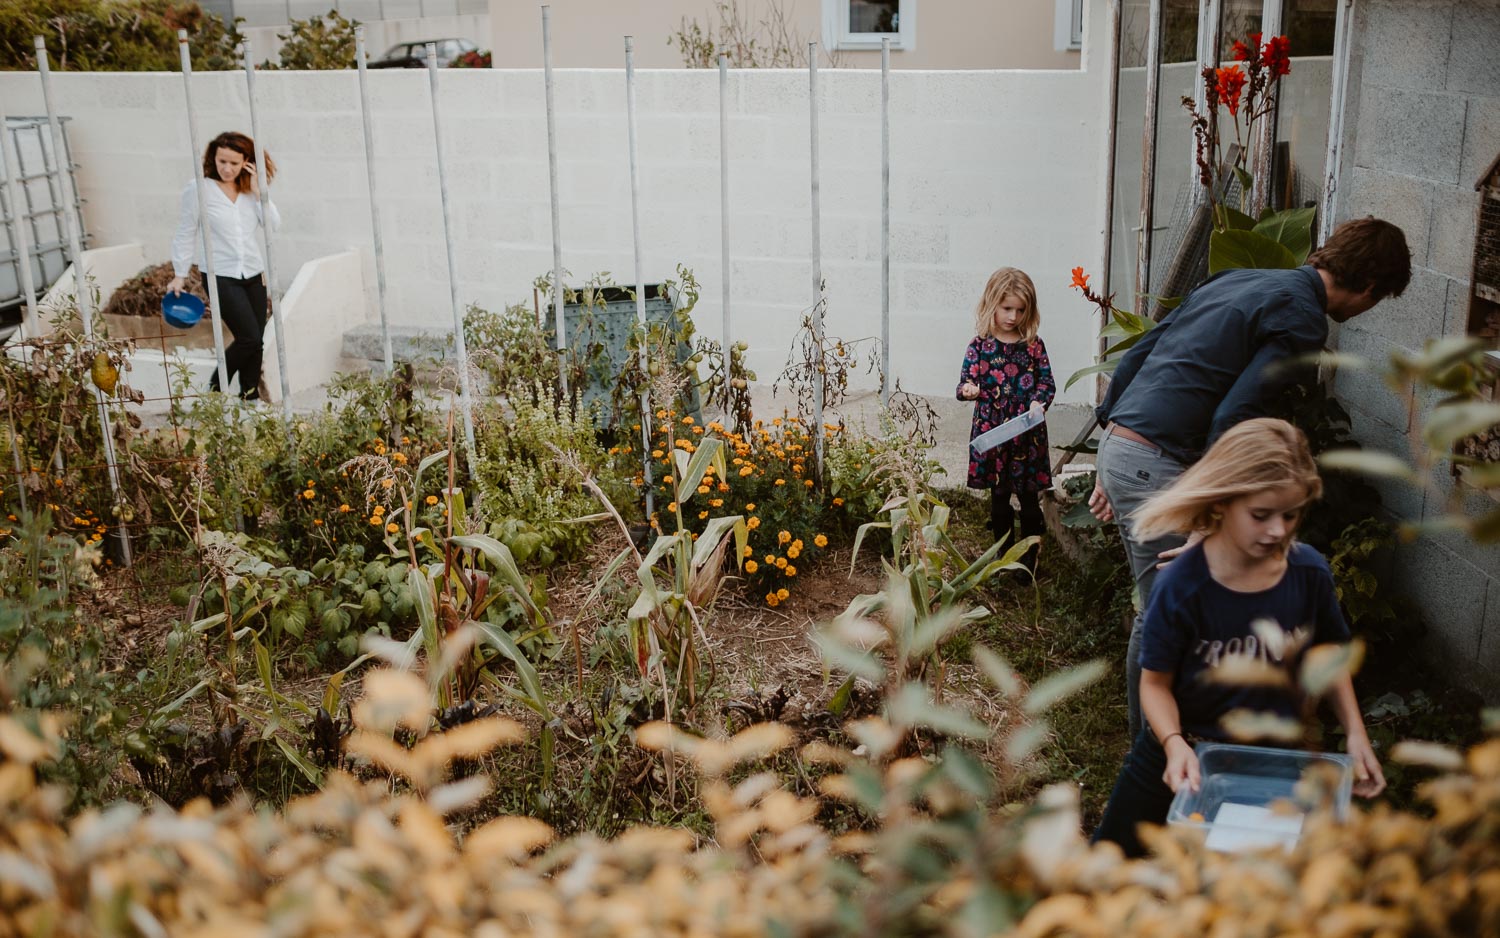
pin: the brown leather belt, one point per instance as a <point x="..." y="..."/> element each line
<point x="1128" y="434"/>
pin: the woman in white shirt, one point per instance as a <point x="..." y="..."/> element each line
<point x="231" y="199"/>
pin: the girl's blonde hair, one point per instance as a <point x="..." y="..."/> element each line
<point x="1007" y="281"/>
<point x="1252" y="457"/>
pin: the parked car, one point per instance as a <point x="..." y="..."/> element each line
<point x="414" y="54"/>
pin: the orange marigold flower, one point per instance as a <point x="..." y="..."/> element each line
<point x="432" y="499"/>
<point x="791" y="570"/>
<point x="820" y="541"/>
<point x="808" y="482"/>
<point x="656" y="454"/>
<point x="723" y="486"/>
<point x="749" y="506"/>
<point x="715" y="502"/>
<point x="317" y="522"/>
<point x="753" y="523"/>
<point x="783" y="537"/>
<point x="751" y="566"/>
<point x="392" y="528"/>
<point x="309" y="495"/>
<point x="387" y="483"/>
<point x="771" y="599"/>
<point x="781" y="563"/>
<point x="345" y="508"/>
<point x="379" y="509"/>
<point x="749" y="551"/>
<point x="771" y="559"/>
<point x="702" y="490"/>
<point x="782" y="593"/>
<point x="781" y="482"/>
<point x="792" y="552"/>
<point x="837" y="502"/>
<point x="672" y="506"/>
<point x="746" y="470"/>
<point x="702" y="515"/>
<point x="797" y="543"/>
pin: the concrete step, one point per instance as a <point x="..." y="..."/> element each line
<point x="408" y="343"/>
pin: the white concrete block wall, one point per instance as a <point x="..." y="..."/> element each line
<point x="989" y="169"/>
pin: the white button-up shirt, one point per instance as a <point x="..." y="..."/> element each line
<point x="232" y="235"/>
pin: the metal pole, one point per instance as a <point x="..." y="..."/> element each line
<point x="728" y="338"/>
<point x="209" y="282"/>
<point x="1265" y="141"/>
<point x="819" y="370"/>
<point x="885" y="223"/>
<point x="1344" y="17"/>
<point x="557" y="277"/>
<point x="1148" y="155"/>
<point x="265" y="231"/>
<point x="466" y="400"/>
<point x="31" y="323"/>
<point x="640" y="279"/>
<point x="1208" y="56"/>
<point x="1111" y="133"/>
<point x="360" y="54"/>
<point x="74" y="226"/>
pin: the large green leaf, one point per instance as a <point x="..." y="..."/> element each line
<point x="1368" y="462"/>
<point x="1234" y="250"/>
<point x="504" y="563"/>
<point x="1104" y="367"/>
<point x="690" y="471"/>
<point x="1292" y="229"/>
<point x="499" y="639"/>
<point x="1232" y="219"/>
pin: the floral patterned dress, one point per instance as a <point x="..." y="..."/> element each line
<point x="1010" y="376"/>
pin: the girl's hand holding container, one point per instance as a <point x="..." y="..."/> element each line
<point x="970" y="391"/>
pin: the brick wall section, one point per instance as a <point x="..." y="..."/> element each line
<point x="1422" y="124"/>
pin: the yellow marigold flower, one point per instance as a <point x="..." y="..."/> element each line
<point x="808" y="482"/>
<point x="749" y="506"/>
<point x="781" y="563"/>
<point x="345" y="508"/>
<point x="672" y="506"/>
<point x="661" y="415"/>
<point x="698" y="430"/>
<point x="432" y="499"/>
<point x="771" y="559"/>
<point x="771" y="599"/>
<point x="375" y="520"/>
<point x="715" y="502"/>
<point x="687" y="421"/>
<point x="793" y="552"/>
<point x="387" y="483"/>
<point x="781" y="482"/>
<point x="656" y="454"/>
<point x="399" y="458"/>
<point x="702" y="515"/>
<point x="797" y="543"/>
<point x="837" y="502"/>
<point x="379" y="509"/>
<point x="666" y="480"/>
<point x="405" y="440"/>
<point x="753" y="523"/>
<point x="776" y="422"/>
<point x="723" y="486"/>
<point x="751" y="566"/>
<point x="317" y="522"/>
<point x="749" y="551"/>
<point x="783" y="537"/>
<point x="309" y="483"/>
<point x="392" y="528"/>
<point x="309" y="494"/>
<point x="820" y="540"/>
<point x="613" y="450"/>
<point x="782" y="593"/>
<point x="737" y="461"/>
<point x="791" y="570"/>
<point x="702" y="490"/>
<point x="746" y="470"/>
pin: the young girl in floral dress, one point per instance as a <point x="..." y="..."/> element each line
<point x="1006" y="373"/>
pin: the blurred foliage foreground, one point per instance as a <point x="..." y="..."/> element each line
<point x="384" y="856"/>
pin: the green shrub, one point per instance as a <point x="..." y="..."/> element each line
<point x="318" y="42"/>
<point x="114" y="35"/>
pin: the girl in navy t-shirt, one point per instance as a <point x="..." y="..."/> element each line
<point x="1247" y="590"/>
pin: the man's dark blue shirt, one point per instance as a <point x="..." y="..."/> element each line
<point x="1202" y="369"/>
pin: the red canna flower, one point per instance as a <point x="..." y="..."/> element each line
<point x="1241" y="51"/>
<point x="1230" y="82"/>
<point x="1277" y="56"/>
<point x="1080" y="279"/>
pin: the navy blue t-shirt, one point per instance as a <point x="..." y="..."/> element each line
<point x="1193" y="623"/>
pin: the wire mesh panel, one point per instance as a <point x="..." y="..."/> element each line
<point x="37" y="171"/>
<point x="1484" y="315"/>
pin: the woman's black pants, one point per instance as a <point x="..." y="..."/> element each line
<point x="242" y="305"/>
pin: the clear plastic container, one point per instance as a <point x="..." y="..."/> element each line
<point x="1252" y="797"/>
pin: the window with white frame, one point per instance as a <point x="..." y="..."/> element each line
<point x="852" y="25"/>
<point x="1067" y="26"/>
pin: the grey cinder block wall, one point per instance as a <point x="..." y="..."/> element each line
<point x="1422" y="124"/>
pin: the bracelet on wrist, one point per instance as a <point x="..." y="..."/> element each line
<point x="1165" y="739"/>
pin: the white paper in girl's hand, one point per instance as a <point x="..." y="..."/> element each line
<point x="1008" y="430"/>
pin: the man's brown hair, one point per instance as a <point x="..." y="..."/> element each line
<point x="1364" y="253"/>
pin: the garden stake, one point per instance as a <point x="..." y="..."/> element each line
<point x="265" y="231"/>
<point x="197" y="175"/>
<point x="1111" y="132"/>
<point x="1265" y="141"/>
<point x="819" y="368"/>
<point x="31" y="324"/>
<point x="360" y="54"/>
<point x="1209" y="41"/>
<point x="724" y="228"/>
<point x="462" y="349"/>
<point x="640" y="282"/>
<point x="1148" y="154"/>
<point x="885" y="225"/>
<point x="1336" y="120"/>
<point x="80" y="281"/>
<point x="556" y="204"/>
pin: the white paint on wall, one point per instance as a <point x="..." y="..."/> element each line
<point x="990" y="168"/>
<point x="326" y="298"/>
